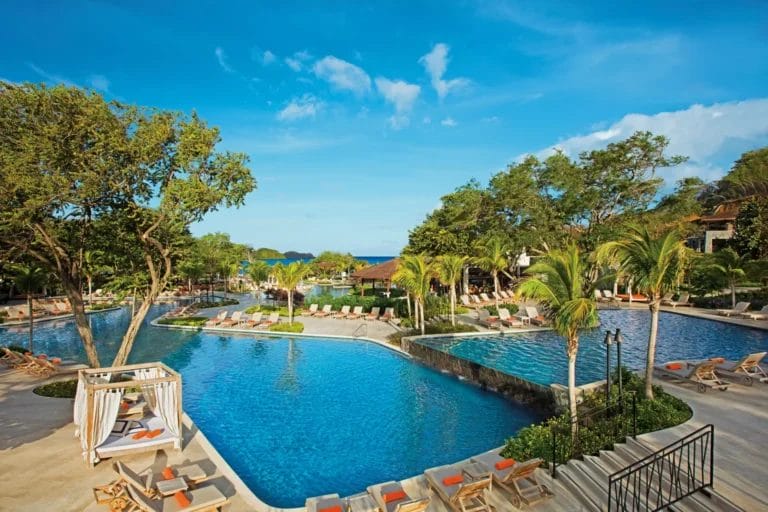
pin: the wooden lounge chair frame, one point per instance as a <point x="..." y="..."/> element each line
<point x="357" y="312"/>
<point x="702" y="374"/>
<point x="141" y="502"/>
<point x="374" y="314"/>
<point x="741" y="307"/>
<point x="756" y="315"/>
<point x="746" y="370"/>
<point x="343" y="312"/>
<point x="406" y="504"/>
<point x="311" y="311"/>
<point x="326" y="311"/>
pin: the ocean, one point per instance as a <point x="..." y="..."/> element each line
<point x="372" y="260"/>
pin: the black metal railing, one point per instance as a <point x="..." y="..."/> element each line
<point x="678" y="470"/>
<point x="595" y="430"/>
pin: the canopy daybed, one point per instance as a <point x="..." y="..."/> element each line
<point x="127" y="409"/>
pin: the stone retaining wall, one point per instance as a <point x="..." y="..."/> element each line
<point x="532" y="394"/>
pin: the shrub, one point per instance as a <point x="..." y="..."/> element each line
<point x="757" y="300"/>
<point x="433" y="328"/>
<point x="286" y="327"/>
<point x="283" y="310"/>
<point x="368" y="302"/>
<point x="512" y="308"/>
<point x="61" y="389"/>
<point x="205" y="304"/>
<point x="189" y="321"/>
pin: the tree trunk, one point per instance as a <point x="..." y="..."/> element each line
<point x="496" y="289"/>
<point x="733" y="294"/>
<point x="189" y="286"/>
<point x="453" y="304"/>
<point x="81" y="321"/>
<point x="421" y="306"/>
<point x="572" y="386"/>
<point x="226" y="286"/>
<point x="290" y="306"/>
<point x="465" y="280"/>
<point x="133" y="303"/>
<point x="90" y="290"/>
<point x="654" y="307"/>
<point x="408" y="303"/>
<point x="133" y="328"/>
<point x="31" y="324"/>
<point x="615" y="286"/>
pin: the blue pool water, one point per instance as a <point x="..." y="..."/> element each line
<point x="303" y="417"/>
<point x="540" y="356"/>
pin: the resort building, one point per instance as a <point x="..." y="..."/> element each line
<point x="717" y="228"/>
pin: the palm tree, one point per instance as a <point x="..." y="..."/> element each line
<point x="258" y="271"/>
<point x="450" y="270"/>
<point x="560" y="282"/>
<point x="288" y="277"/>
<point x="414" y="273"/>
<point x="731" y="265"/>
<point x="656" y="265"/>
<point x="92" y="266"/>
<point x="492" y="257"/>
<point x="29" y="279"/>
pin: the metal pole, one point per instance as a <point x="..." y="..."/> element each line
<point x="608" y="339"/>
<point x="618" y="339"/>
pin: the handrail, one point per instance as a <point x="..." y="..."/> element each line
<point x="672" y="473"/>
<point x="363" y="327"/>
<point x="614" y="413"/>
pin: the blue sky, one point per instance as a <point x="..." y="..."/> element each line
<point x="359" y="116"/>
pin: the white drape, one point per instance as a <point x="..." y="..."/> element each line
<point x="167" y="408"/>
<point x="79" y="410"/>
<point x="106" y="405"/>
<point x="149" y="391"/>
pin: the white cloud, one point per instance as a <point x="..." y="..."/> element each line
<point x="699" y="132"/>
<point x="342" y="74"/>
<point x="299" y="108"/>
<point x="398" y="121"/>
<point x="297" y="60"/>
<point x="436" y="62"/>
<point x="99" y="82"/>
<point x="449" y="122"/>
<point x="294" y="64"/>
<point x="221" y="57"/>
<point x="56" y="79"/>
<point x="267" y="57"/>
<point x="402" y="95"/>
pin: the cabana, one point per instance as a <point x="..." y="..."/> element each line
<point x="381" y="272"/>
<point x="127" y="409"/>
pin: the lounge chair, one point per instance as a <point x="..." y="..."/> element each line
<point x="519" y="478"/>
<point x="374" y="314"/>
<point x="255" y="319"/>
<point x="326" y="311"/>
<point x="681" y="301"/>
<point x="746" y="370"/>
<point x="391" y="497"/>
<point x="41" y="367"/>
<point x="64" y="307"/>
<point x="343" y="313"/>
<point x="330" y="502"/>
<point x="357" y="312"/>
<point x="509" y="320"/>
<point x="741" y="307"/>
<point x="207" y="497"/>
<point x="12" y="359"/>
<point x="274" y="318"/>
<point x="702" y="374"/>
<point x="466" y="302"/>
<point x="311" y="311"/>
<point x="213" y="322"/>
<point x="610" y="297"/>
<point x="476" y="300"/>
<point x="449" y="483"/>
<point x="486" y="299"/>
<point x="599" y="296"/>
<point x="508" y="296"/>
<point x="192" y="474"/>
<point x="389" y="314"/>
<point x="758" y="315"/>
<point x="233" y="320"/>
<point x="487" y="320"/>
<point x="534" y="316"/>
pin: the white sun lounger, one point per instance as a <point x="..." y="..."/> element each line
<point x="756" y="315"/>
<point x="402" y="504"/>
<point x="741" y="307"/>
<point x="519" y="479"/>
<point x="702" y="374"/>
<point x="746" y="370"/>
<point x="463" y="496"/>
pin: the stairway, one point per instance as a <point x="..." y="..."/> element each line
<point x="587" y="479"/>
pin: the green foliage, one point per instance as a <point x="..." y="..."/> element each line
<point x="431" y="328"/>
<point x="748" y="176"/>
<point x="493" y="311"/>
<point x="662" y="412"/>
<point x="295" y="327"/>
<point x="265" y="253"/>
<point x="704" y="278"/>
<point x="329" y="263"/>
<point x="60" y="389"/>
<point x="267" y="308"/>
<point x="367" y="302"/>
<point x="189" y="321"/>
<point x="757" y="299"/>
<point x="259" y="271"/>
<point x="203" y="304"/>
<point x="750" y="236"/>
<point x="101" y="306"/>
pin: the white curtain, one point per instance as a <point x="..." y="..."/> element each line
<point x="167" y="408"/>
<point x="149" y="391"/>
<point x="106" y="405"/>
<point x="79" y="411"/>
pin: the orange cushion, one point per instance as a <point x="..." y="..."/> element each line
<point x="453" y="480"/>
<point x="168" y="473"/>
<point x="155" y="433"/>
<point x="56" y="360"/>
<point x="674" y="366"/>
<point x="394" y="496"/>
<point x="335" y="508"/>
<point x="506" y="463"/>
<point x="717" y="360"/>
<point x="182" y="499"/>
<point x="42" y="356"/>
<point x="140" y="434"/>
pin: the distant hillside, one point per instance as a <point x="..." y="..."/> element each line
<point x="265" y="253"/>
<point x="294" y="254"/>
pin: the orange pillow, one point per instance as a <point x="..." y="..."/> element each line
<point x="674" y="366"/>
<point x="717" y="360"/>
<point x="168" y="473"/>
<point x="42" y="356"/>
<point x="394" y="496"/>
<point x="506" y="463"/>
<point x="56" y="360"/>
<point x="453" y="480"/>
<point x="182" y="499"/>
<point x="335" y="508"/>
<point x="140" y="434"/>
<point x="155" y="433"/>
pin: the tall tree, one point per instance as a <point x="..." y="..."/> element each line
<point x="67" y="158"/>
<point x="492" y="257"/>
<point x="656" y="264"/>
<point x="29" y="280"/>
<point x="748" y="176"/>
<point x="730" y="265"/>
<point x="93" y="266"/>
<point x="750" y="235"/>
<point x="450" y="269"/>
<point x="258" y="271"/>
<point x="559" y="281"/>
<point x="288" y="278"/>
<point x="414" y="273"/>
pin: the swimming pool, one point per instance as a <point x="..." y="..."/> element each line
<point x="302" y="417"/>
<point x="540" y="356"/>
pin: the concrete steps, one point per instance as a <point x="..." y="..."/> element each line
<point x="587" y="479"/>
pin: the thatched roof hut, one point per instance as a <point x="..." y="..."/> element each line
<point x="381" y="272"/>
